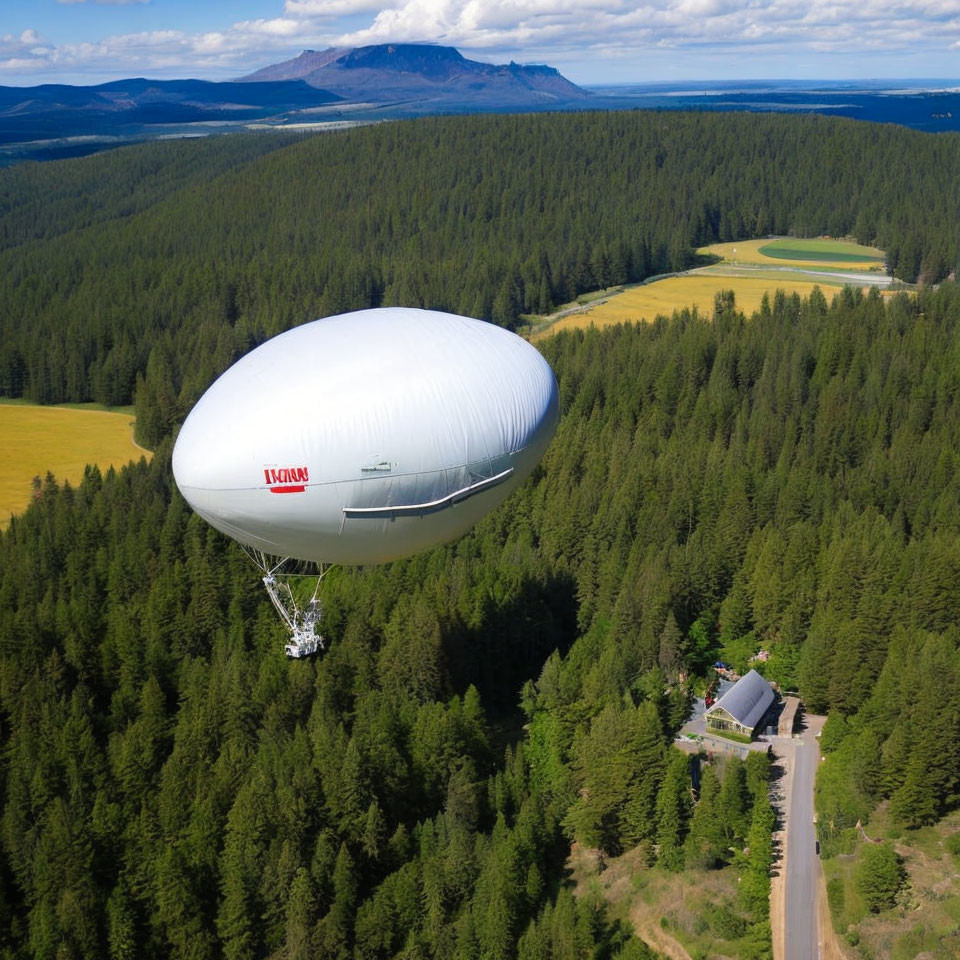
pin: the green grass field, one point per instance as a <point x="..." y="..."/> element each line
<point x="826" y="251"/>
<point x="59" y="440"/>
<point x="820" y="252"/>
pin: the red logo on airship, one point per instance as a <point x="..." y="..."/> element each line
<point x="286" y="479"/>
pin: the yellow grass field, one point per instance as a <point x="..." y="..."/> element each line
<point x="748" y="251"/>
<point x="675" y="293"/>
<point x="37" y="440"/>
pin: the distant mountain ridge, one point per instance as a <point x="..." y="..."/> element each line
<point x="136" y="93"/>
<point x="113" y="110"/>
<point x="341" y="87"/>
<point x="327" y="89"/>
<point x="392" y="71"/>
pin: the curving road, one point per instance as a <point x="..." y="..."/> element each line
<point x="730" y="269"/>
<point x="803" y="864"/>
<point x="856" y="277"/>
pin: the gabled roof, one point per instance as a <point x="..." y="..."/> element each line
<point x="747" y="700"/>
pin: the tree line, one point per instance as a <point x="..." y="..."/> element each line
<point x="141" y="273"/>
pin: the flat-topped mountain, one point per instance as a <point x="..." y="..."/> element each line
<point x="325" y="89"/>
<point x="392" y="71"/>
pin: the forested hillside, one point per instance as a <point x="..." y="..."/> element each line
<point x="173" y="787"/>
<point x="173" y="269"/>
<point x="41" y="201"/>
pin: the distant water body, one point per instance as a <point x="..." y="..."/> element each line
<point x="929" y="105"/>
<point x="932" y="106"/>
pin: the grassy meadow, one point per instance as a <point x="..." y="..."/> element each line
<point x="646" y="302"/>
<point x="686" y="914"/>
<point x="751" y="268"/>
<point x="795" y="252"/>
<point x="926" y="920"/>
<point x="59" y="440"/>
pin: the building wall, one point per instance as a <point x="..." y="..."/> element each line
<point x="723" y="721"/>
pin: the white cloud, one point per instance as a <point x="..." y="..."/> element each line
<point x="609" y="24"/>
<point x="540" y="29"/>
<point x="236" y="49"/>
<point x="477" y="24"/>
<point x="278" y="27"/>
<point x="18" y="63"/>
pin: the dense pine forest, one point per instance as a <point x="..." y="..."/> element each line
<point x="164" y="262"/>
<point x="173" y="787"/>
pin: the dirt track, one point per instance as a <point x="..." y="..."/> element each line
<point x="658" y="939"/>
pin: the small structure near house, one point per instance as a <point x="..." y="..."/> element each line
<point x="789" y="716"/>
<point x="742" y="709"/>
<point x="725" y="671"/>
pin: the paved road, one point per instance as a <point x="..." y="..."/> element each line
<point x="855" y="277"/>
<point x="803" y="865"/>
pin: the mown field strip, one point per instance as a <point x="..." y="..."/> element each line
<point x="789" y="251"/>
<point x="62" y="441"/>
<point x="802" y="253"/>
<point x="822" y="248"/>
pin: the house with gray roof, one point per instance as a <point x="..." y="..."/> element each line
<point x="742" y="709"/>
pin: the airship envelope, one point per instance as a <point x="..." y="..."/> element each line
<point x="367" y="437"/>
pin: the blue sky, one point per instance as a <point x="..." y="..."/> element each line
<point x="591" y="41"/>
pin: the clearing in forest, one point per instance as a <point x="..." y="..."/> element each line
<point x="59" y="440"/>
<point x="682" y="915"/>
<point x="663" y="297"/>
<point x="925" y="920"/>
<point x="750" y="268"/>
<point x="796" y="252"/>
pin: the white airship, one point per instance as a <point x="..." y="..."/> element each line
<point x="364" y="438"/>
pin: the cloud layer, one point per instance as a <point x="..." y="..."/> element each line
<point x="157" y="52"/>
<point x="614" y="25"/>
<point x="560" y="31"/>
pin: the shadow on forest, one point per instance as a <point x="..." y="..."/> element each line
<point x="702" y="260"/>
<point x="512" y="642"/>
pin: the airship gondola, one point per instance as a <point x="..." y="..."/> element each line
<point x="363" y="438"/>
